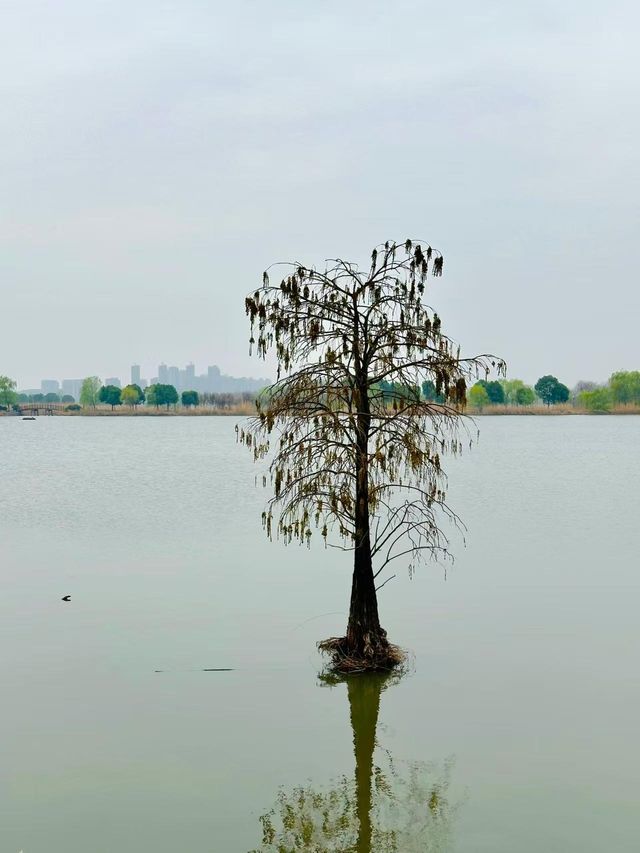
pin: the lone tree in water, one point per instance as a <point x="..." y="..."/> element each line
<point x="357" y="466"/>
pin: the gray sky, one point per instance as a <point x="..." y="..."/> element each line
<point x="156" y="156"/>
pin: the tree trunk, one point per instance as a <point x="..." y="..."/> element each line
<point x="364" y="634"/>
<point x="364" y="703"/>
<point x="363" y="630"/>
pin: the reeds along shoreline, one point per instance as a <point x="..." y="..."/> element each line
<point x="247" y="410"/>
<point x="240" y="409"/>
<point x="558" y="409"/>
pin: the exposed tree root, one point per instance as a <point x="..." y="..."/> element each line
<point x="372" y="655"/>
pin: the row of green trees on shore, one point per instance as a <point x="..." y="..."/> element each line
<point x="513" y="392"/>
<point x="93" y="392"/>
<point x="622" y="389"/>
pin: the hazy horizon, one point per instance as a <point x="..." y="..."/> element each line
<point x="145" y="374"/>
<point x="265" y="373"/>
<point x="157" y="157"/>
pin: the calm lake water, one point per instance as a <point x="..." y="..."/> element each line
<point x="522" y="707"/>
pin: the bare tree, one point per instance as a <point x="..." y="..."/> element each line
<point x="362" y="469"/>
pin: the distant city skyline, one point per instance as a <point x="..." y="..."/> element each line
<point x="183" y="379"/>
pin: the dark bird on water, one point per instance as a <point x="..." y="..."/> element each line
<point x="66" y="598"/>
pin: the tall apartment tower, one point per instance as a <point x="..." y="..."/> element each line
<point x="174" y="377"/>
<point x="72" y="387"/>
<point x="213" y="378"/>
<point x="163" y="374"/>
<point x="135" y="374"/>
<point x="50" y="386"/>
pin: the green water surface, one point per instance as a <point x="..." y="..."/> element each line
<point x="515" y="730"/>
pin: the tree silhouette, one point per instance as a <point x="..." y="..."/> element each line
<point x="384" y="808"/>
<point x="89" y="391"/>
<point x="347" y="459"/>
<point x="111" y="395"/>
<point x="8" y="394"/>
<point x="551" y="391"/>
<point x="494" y="390"/>
<point x="132" y="395"/>
<point x="161" y="395"/>
<point x="190" y="398"/>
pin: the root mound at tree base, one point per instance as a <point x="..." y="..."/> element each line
<point x="382" y="656"/>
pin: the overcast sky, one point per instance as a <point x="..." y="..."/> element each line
<point x="156" y="156"/>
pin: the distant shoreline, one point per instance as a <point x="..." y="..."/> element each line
<point x="246" y="410"/>
<point x="238" y="411"/>
<point x="546" y="411"/>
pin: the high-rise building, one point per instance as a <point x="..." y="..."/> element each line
<point x="113" y="380"/>
<point x="213" y="378"/>
<point x="50" y="386"/>
<point x="72" y="388"/>
<point x="135" y="374"/>
<point x="174" y="377"/>
<point x="213" y="381"/>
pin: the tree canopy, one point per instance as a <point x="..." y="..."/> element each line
<point x="597" y="400"/>
<point x="8" y="396"/>
<point x="132" y="395"/>
<point x="625" y="387"/>
<point x="89" y="391"/>
<point x="551" y="391"/>
<point x="162" y="395"/>
<point x="190" y="398"/>
<point x="345" y="463"/>
<point x="510" y="388"/>
<point x="495" y="391"/>
<point x="525" y="396"/>
<point x="478" y="397"/>
<point x="429" y="392"/>
<point x="111" y="395"/>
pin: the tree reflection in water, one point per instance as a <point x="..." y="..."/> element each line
<point x="387" y="807"/>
